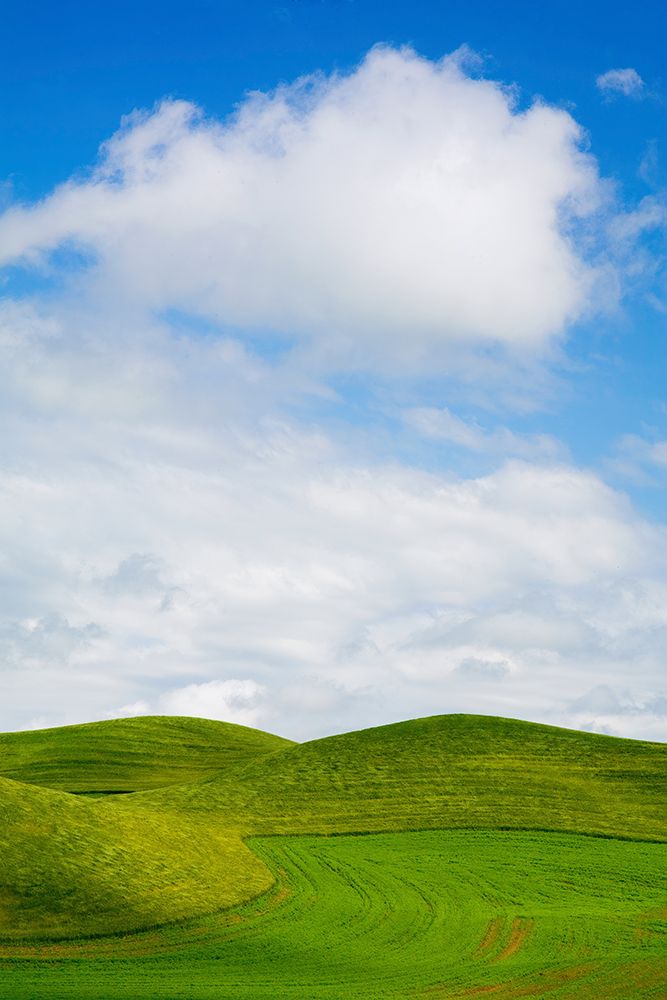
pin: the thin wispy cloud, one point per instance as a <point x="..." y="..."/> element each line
<point x="440" y="424"/>
<point x="621" y="82"/>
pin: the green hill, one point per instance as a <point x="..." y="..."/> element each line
<point x="67" y="869"/>
<point x="477" y="873"/>
<point x="124" y="755"/>
<point x="441" y="772"/>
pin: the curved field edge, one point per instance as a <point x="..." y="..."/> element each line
<point x="73" y="867"/>
<point x="436" y="914"/>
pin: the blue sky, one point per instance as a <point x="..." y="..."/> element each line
<point x="345" y="402"/>
<point x="69" y="72"/>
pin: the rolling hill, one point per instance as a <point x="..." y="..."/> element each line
<point x="126" y="755"/>
<point x="441" y="772"/>
<point x="497" y="857"/>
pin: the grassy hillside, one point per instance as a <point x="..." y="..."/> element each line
<point x="440" y="772"/>
<point x="67" y="869"/>
<point x="123" y="755"/>
<point x="443" y="913"/>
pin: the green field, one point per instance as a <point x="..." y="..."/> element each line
<point x="497" y="858"/>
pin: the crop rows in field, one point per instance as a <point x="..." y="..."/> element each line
<point x="439" y="914"/>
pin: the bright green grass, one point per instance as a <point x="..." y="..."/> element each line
<point x="74" y="868"/>
<point x="437" y="914"/>
<point x="124" y="755"/>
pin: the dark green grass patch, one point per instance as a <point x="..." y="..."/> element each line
<point x="437" y="914"/>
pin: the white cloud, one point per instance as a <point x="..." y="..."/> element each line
<point x="639" y="459"/>
<point x="131" y="710"/>
<point x="627" y="82"/>
<point x="219" y="551"/>
<point x="617" y="712"/>
<point x="440" y="424"/>
<point x="231" y="700"/>
<point x="378" y="215"/>
<point x="48" y="640"/>
<point x="138" y="574"/>
<point x="650" y="213"/>
<point x="484" y="670"/>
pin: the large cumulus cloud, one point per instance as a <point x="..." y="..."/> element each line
<point x="379" y="214"/>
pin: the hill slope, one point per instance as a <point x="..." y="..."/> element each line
<point x="67" y="869"/>
<point x="442" y="772"/>
<point x="125" y="755"/>
<point x="72" y="865"/>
